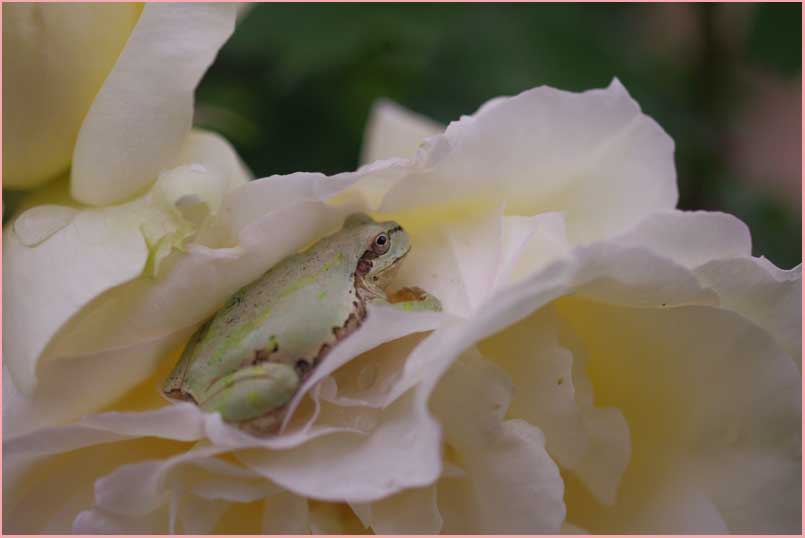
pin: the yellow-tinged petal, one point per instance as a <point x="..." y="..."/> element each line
<point x="142" y="115"/>
<point x="56" y="58"/>
<point x="62" y="258"/>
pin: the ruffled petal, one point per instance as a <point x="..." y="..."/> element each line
<point x="526" y="150"/>
<point x="512" y="485"/>
<point x="552" y="391"/>
<point x="768" y="296"/>
<point x="691" y="238"/>
<point x="400" y="451"/>
<point x="142" y="115"/>
<point x="711" y="401"/>
<point x="393" y="131"/>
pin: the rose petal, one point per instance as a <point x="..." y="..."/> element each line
<point x="512" y="485"/>
<point x="56" y="60"/>
<point x="142" y="115"/>
<point x="63" y="485"/>
<point x="412" y="511"/>
<point x="182" y="422"/>
<point x="333" y="518"/>
<point x="383" y="324"/>
<point x="393" y="131"/>
<point x="140" y="488"/>
<point x="155" y="493"/>
<point x="569" y="528"/>
<point x="691" y="238"/>
<point x="39" y="223"/>
<point x="96" y="521"/>
<point x="53" y="280"/>
<point x="69" y="389"/>
<point x="530" y="244"/>
<point x="718" y="246"/>
<point x="627" y="171"/>
<point x="400" y="453"/>
<point x="285" y="513"/>
<point x="604" y="272"/>
<point x="710" y="399"/>
<point x="553" y="392"/>
<point x="367" y="380"/>
<point x="768" y="296"/>
<point x="197" y="516"/>
<point x="216" y="153"/>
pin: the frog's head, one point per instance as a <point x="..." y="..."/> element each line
<point x="386" y="246"/>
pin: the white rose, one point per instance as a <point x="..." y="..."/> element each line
<point x="603" y="362"/>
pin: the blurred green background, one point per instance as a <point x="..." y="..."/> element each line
<point x="293" y="87"/>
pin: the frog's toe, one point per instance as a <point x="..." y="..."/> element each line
<point x="414" y="298"/>
<point x="252" y="392"/>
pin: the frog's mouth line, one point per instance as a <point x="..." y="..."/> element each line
<point x="384" y="277"/>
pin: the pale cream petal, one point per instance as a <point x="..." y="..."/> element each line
<point x="95" y="251"/>
<point x="367" y="380"/>
<point x="603" y="272"/>
<point x="592" y="155"/>
<point x="151" y="494"/>
<point x="412" y="511"/>
<point x="401" y="452"/>
<point x="768" y="296"/>
<point x="570" y="528"/>
<point x="552" y="391"/>
<point x="718" y="246"/>
<point x="39" y="223"/>
<point x="181" y="422"/>
<point x="214" y="152"/>
<point x="457" y="261"/>
<point x="96" y="521"/>
<point x="47" y="497"/>
<point x="393" y="131"/>
<point x="333" y="518"/>
<point x="512" y="485"/>
<point x="383" y="324"/>
<point x="69" y="389"/>
<point x="530" y="244"/>
<point x="196" y="515"/>
<point x="57" y="57"/>
<point x="678" y="507"/>
<point x="711" y="400"/>
<point x="286" y="513"/>
<point x="691" y="238"/>
<point x="138" y="489"/>
<point x="142" y="115"/>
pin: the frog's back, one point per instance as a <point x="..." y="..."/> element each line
<point x="286" y="315"/>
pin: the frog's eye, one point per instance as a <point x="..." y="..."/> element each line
<point x="381" y="243"/>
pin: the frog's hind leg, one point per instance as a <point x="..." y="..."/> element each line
<point x="251" y="393"/>
<point x="173" y="385"/>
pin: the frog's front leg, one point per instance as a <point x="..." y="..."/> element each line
<point x="251" y="392"/>
<point x="413" y="298"/>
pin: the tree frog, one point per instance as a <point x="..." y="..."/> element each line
<point x="251" y="357"/>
